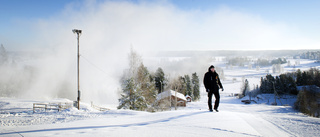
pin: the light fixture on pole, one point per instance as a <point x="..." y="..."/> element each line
<point x="78" y="32"/>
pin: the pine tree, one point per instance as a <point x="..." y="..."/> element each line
<point x="160" y="80"/>
<point x="262" y="85"/>
<point x="182" y="85"/>
<point x="269" y="83"/>
<point x="266" y="85"/>
<point x="304" y="78"/>
<point x="245" y="87"/>
<point x="292" y="86"/>
<point x="132" y="88"/>
<point x="188" y="86"/>
<point x="146" y="84"/>
<point x="311" y="76"/>
<point x="284" y="84"/>
<point x="317" y="78"/>
<point x="126" y="99"/>
<point x="196" y="86"/>
<point x="278" y="85"/>
<point x="299" y="78"/>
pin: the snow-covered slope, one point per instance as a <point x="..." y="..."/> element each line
<point x="234" y="119"/>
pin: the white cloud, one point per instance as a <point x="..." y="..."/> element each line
<point x="161" y="26"/>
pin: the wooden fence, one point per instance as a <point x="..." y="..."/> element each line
<point x="52" y="106"/>
<point x="98" y="107"/>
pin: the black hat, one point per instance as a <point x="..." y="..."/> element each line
<point x="210" y="67"/>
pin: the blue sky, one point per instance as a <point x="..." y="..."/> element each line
<point x="19" y="18"/>
<point x="303" y="14"/>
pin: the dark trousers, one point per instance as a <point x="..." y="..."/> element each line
<point x="217" y="96"/>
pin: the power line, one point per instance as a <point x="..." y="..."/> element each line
<point x="98" y="68"/>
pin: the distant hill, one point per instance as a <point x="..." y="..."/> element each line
<point x="256" y="53"/>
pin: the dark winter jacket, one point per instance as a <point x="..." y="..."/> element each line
<point x="211" y="80"/>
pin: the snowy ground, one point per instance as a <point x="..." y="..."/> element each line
<point x="234" y="119"/>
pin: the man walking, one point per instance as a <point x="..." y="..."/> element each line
<point x="212" y="84"/>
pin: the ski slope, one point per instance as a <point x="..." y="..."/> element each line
<point x="235" y="119"/>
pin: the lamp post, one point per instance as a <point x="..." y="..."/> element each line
<point x="78" y="32"/>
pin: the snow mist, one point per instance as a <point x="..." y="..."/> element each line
<point x="109" y="29"/>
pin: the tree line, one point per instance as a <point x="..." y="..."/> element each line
<point x="140" y="87"/>
<point x="242" y="61"/>
<point x="307" y="96"/>
<point x="284" y="83"/>
<point x="287" y="83"/>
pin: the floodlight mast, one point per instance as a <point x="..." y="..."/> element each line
<point x="78" y="32"/>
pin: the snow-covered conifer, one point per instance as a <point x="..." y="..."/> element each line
<point x="196" y="86"/>
<point x="188" y="86"/>
<point x="160" y="80"/>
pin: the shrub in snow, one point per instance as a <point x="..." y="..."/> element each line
<point x="245" y="88"/>
<point x="308" y="101"/>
